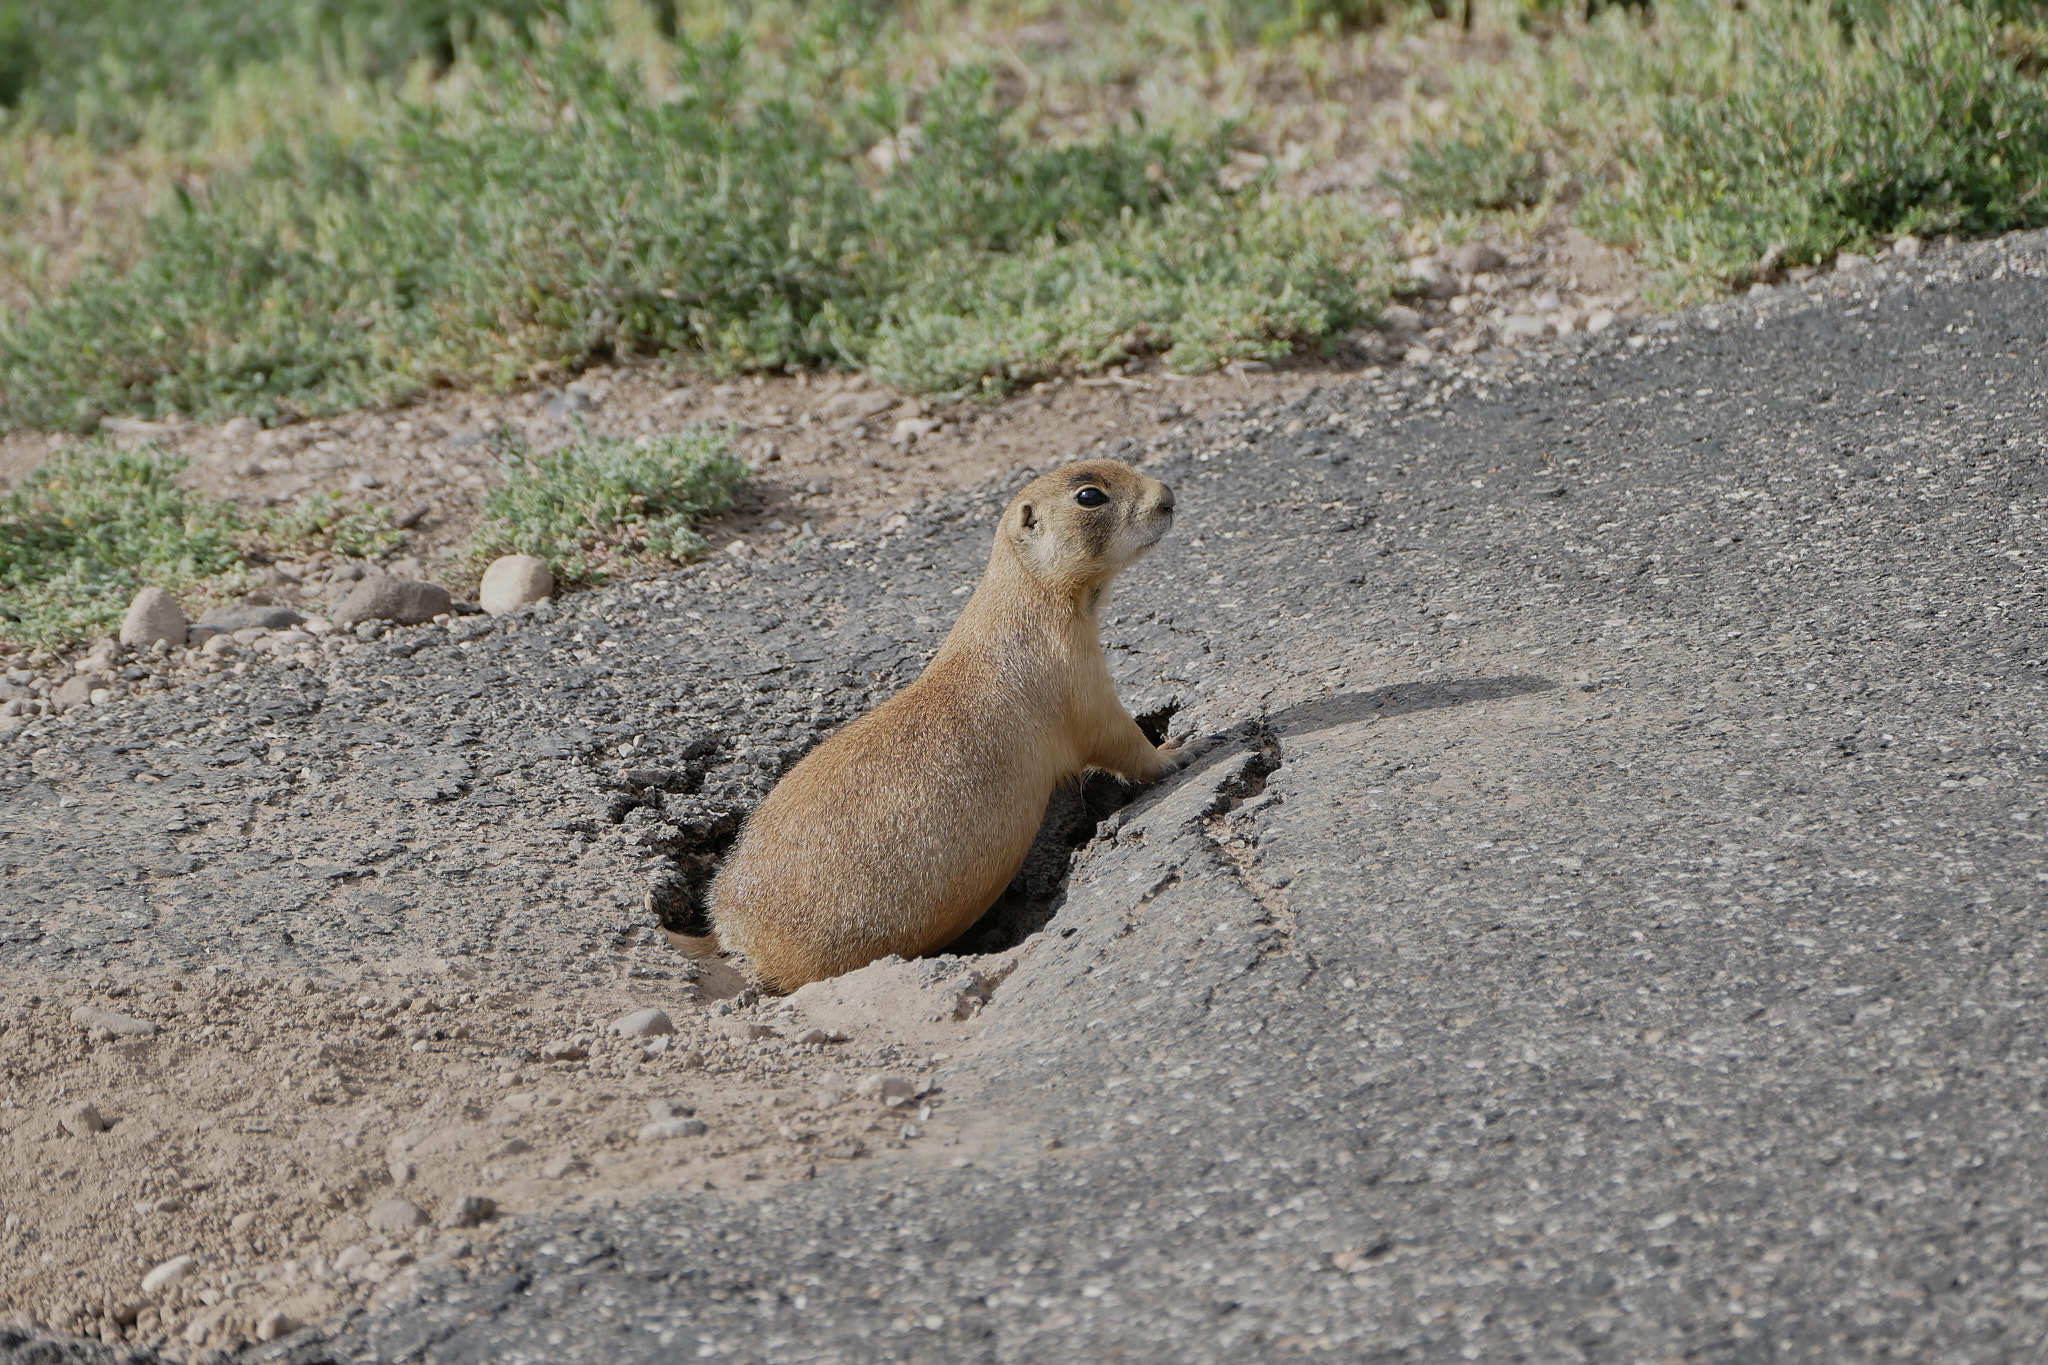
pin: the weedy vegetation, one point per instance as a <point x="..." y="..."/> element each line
<point x="282" y="208"/>
<point x="81" y="535"/>
<point x="603" y="505"/>
<point x="1714" y="136"/>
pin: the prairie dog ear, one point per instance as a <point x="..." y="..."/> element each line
<point x="1027" y="517"/>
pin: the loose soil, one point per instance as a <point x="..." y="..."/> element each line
<point x="261" y="1127"/>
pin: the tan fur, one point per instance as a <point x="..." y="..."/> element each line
<point x="894" y="835"/>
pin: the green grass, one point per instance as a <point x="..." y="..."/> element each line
<point x="292" y="207"/>
<point x="84" y="533"/>
<point x="1713" y="135"/>
<point x="325" y="521"/>
<point x="81" y="535"/>
<point x="115" y="71"/>
<point x="602" y="506"/>
<point x="563" y="206"/>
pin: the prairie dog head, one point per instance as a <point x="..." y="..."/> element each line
<point x="1078" y="526"/>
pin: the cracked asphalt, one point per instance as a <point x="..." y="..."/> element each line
<point x="1605" y="924"/>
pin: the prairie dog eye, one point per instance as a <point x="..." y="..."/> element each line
<point x="1091" y="497"/>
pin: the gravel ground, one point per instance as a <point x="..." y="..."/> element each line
<point x="1600" y="930"/>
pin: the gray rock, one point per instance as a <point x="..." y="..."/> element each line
<point x="82" y="1119"/>
<point x="514" y="580"/>
<point x="469" y="1211"/>
<point x="1477" y="258"/>
<point x="1908" y="248"/>
<point x="72" y="692"/>
<point x="406" y="601"/>
<point x="251" y="616"/>
<point x="153" y="616"/>
<point x="240" y="429"/>
<point x="1524" y="327"/>
<point x="1432" y="279"/>
<point x="563" y="1050"/>
<point x="891" y="1088"/>
<point x="92" y="1017"/>
<point x="857" y="405"/>
<point x="274" y="1324"/>
<point x="643" y="1024"/>
<point x="1400" y="319"/>
<point x="395" y="1217"/>
<point x="1851" y="260"/>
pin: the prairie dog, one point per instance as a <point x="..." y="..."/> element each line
<point x="895" y="834"/>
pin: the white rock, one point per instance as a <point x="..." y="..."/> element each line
<point x="513" y="581"/>
<point x="168" y="1274"/>
<point x="240" y="429"/>
<point x="909" y="429"/>
<point x="1908" y="248"/>
<point x="153" y="616"/>
<point x="643" y="1024"/>
<point x="891" y="1088"/>
<point x="663" y="1129"/>
<point x="1523" y="327"/>
<point x="395" y="1217"/>
<point x="92" y="1017"/>
<point x="1851" y="260"/>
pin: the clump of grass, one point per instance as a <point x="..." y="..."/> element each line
<point x="1710" y="136"/>
<point x="112" y="70"/>
<point x="1916" y="119"/>
<point x="1201" y="283"/>
<point x="551" y="209"/>
<point x="603" y="505"/>
<point x="82" y="534"/>
<point x="327" y="521"/>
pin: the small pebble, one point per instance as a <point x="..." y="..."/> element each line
<point x="891" y="1088"/>
<point x="662" y="1129"/>
<point x="154" y="616"/>
<point x="274" y="1324"/>
<point x="643" y="1024"/>
<point x="168" y="1274"/>
<point x="512" y="581"/>
<point x="82" y="1120"/>
<point x="469" y="1211"/>
<point x="395" y="1217"/>
<point x="93" y="1017"/>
